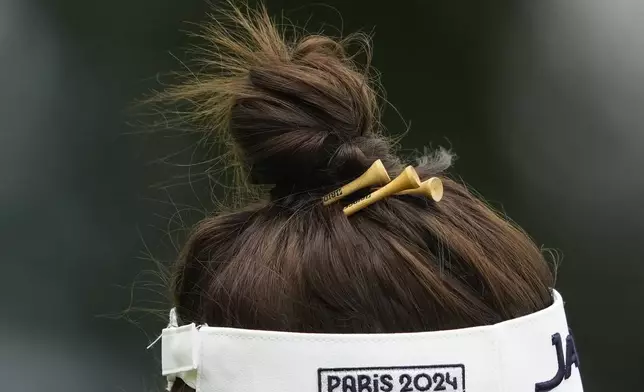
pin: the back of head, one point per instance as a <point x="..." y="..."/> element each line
<point x="302" y="118"/>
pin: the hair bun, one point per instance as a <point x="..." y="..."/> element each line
<point x="302" y="119"/>
<point x="300" y="112"/>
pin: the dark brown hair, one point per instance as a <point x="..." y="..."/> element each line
<point x="302" y="118"/>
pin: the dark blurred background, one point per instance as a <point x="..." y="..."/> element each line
<point x="540" y="99"/>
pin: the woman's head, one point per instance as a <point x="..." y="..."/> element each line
<point x="302" y="118"/>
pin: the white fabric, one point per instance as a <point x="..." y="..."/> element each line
<point x="511" y="356"/>
<point x="180" y="353"/>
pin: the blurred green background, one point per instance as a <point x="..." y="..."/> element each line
<point x="540" y="99"/>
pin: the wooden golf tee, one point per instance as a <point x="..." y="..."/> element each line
<point x="432" y="188"/>
<point x="375" y="175"/>
<point x="408" y="179"/>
